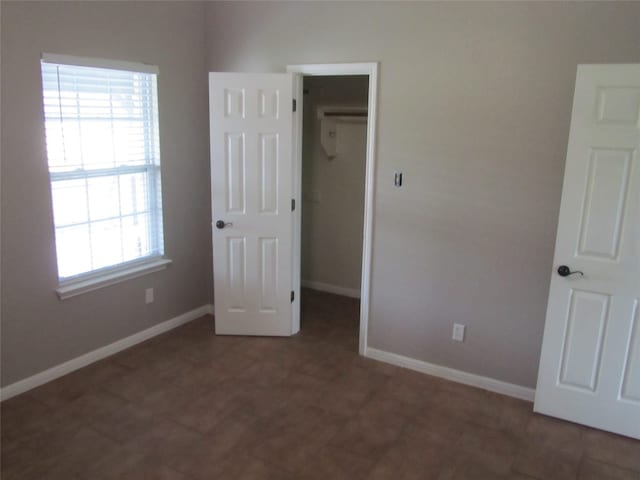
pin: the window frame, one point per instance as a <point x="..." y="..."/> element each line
<point x="113" y="274"/>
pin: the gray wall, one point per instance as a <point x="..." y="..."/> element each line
<point x="38" y="330"/>
<point x="474" y="106"/>
<point x="333" y="189"/>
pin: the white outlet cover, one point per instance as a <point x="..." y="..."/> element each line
<point x="458" y="332"/>
<point x="148" y="295"/>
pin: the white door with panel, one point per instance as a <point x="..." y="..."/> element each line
<point x="590" y="362"/>
<point x="251" y="189"/>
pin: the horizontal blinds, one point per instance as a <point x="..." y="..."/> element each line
<point x="104" y="163"/>
<point x="98" y="117"/>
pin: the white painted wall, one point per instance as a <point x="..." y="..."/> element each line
<point x="474" y="106"/>
<point x="333" y="189"/>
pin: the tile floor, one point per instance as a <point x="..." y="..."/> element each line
<point x="190" y="405"/>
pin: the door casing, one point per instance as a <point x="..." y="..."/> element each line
<point x="337" y="69"/>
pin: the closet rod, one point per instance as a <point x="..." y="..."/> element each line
<point x="345" y="114"/>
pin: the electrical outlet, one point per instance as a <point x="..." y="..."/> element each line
<point x="148" y="295"/>
<point x="458" y="332"/>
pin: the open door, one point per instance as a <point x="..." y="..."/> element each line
<point x="251" y="189"/>
<point x="590" y="362"/>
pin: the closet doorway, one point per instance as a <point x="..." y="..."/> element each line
<point x="335" y="155"/>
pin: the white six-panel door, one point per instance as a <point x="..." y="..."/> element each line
<point x="590" y="362"/>
<point x="251" y="190"/>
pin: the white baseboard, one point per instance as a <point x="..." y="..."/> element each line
<point x="486" y="383"/>
<point x="52" y="373"/>
<point x="327" y="287"/>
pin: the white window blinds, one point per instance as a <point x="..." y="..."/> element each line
<point x="104" y="164"/>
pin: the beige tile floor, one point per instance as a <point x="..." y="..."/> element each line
<point x="190" y="405"/>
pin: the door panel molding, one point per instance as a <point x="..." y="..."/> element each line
<point x="630" y="386"/>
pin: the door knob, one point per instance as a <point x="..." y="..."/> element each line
<point x="565" y="271"/>
<point x="221" y="224"/>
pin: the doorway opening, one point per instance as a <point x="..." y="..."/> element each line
<point x="333" y="182"/>
<point x="334" y="146"/>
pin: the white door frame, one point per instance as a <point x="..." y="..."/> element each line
<point x="337" y="69"/>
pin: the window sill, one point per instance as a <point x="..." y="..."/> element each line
<point x="84" y="285"/>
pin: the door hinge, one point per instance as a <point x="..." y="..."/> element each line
<point x="293" y="204"/>
<point x="293" y="296"/>
<point x="295" y="105"/>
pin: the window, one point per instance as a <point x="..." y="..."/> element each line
<point x="101" y="122"/>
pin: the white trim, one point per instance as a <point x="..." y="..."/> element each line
<point x="50" y="374"/>
<point x="370" y="69"/>
<point x="486" y="383"/>
<point x="99" y="63"/>
<point x="296" y="172"/>
<point x="327" y="287"/>
<point x="319" y="69"/>
<point x="71" y="288"/>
